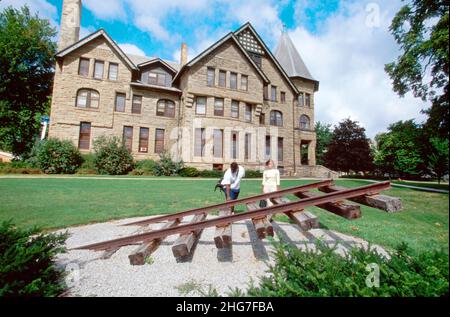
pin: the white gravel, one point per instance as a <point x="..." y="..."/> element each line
<point x="206" y="269"/>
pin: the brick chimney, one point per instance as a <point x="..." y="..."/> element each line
<point x="70" y="23"/>
<point x="184" y="53"/>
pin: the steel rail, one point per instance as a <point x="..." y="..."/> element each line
<point x="300" y="204"/>
<point x="201" y="210"/>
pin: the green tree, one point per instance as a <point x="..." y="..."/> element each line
<point x="27" y="63"/>
<point x="421" y="30"/>
<point x="324" y="135"/>
<point x="349" y="149"/>
<point x="401" y="149"/>
<point x="438" y="157"/>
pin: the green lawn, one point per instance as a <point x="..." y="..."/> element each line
<point x="434" y="185"/>
<point x="54" y="203"/>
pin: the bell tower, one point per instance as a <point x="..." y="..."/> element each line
<point x="70" y="23"/>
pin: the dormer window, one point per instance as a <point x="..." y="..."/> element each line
<point x="256" y="58"/>
<point x="155" y="78"/>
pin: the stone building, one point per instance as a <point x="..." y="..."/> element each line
<point x="236" y="101"/>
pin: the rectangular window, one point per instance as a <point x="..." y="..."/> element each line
<point x="200" y="141"/>
<point x="211" y="76"/>
<point x="248" y="113"/>
<point x="218" y="107"/>
<point x="234" y="109"/>
<point x="266" y="93"/>
<point x="262" y="119"/>
<point x="85" y="136"/>
<point x="234" y="145"/>
<point x="120" y="102"/>
<point x="143" y="140"/>
<point x="200" y="107"/>
<point x="233" y="81"/>
<point x="136" y="107"/>
<point x="159" y="140"/>
<point x="98" y="69"/>
<point x="158" y="79"/>
<point x="128" y="138"/>
<point x="83" y="68"/>
<point x="280" y="149"/>
<point x="273" y="93"/>
<point x="301" y="102"/>
<point x="222" y="78"/>
<point x="113" y="71"/>
<point x="283" y="97"/>
<point x="218" y="143"/>
<point x="307" y="100"/>
<point x="267" y="147"/>
<point x="244" y="82"/>
<point x="248" y="144"/>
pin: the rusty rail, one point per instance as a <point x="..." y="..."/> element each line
<point x="296" y="205"/>
<point x="228" y="204"/>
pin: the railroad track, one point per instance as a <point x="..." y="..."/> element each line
<point x="332" y="198"/>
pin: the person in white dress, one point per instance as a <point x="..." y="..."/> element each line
<point x="271" y="180"/>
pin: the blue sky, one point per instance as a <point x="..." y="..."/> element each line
<point x="344" y="43"/>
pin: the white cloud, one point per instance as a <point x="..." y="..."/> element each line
<point x="131" y="49"/>
<point x="348" y="59"/>
<point x="106" y="10"/>
<point x="43" y="8"/>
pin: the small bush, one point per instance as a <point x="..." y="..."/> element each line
<point x="325" y="273"/>
<point x="253" y="174"/>
<point x="53" y="156"/>
<point x="189" y="172"/>
<point x="111" y="156"/>
<point x="146" y="167"/>
<point x="27" y="263"/>
<point x="167" y="167"/>
<point x="88" y="161"/>
<point x="211" y="173"/>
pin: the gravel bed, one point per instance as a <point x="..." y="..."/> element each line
<point x="206" y="271"/>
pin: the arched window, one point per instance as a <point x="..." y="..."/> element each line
<point x="305" y="123"/>
<point x="276" y="118"/>
<point x="165" y="108"/>
<point x="87" y="98"/>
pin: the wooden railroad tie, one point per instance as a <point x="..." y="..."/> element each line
<point x="183" y="245"/>
<point x="262" y="225"/>
<point x="303" y="218"/>
<point x="223" y="236"/>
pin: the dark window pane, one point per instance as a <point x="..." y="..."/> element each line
<point x="210" y="77"/>
<point x="85" y="136"/>
<point x="301" y="102"/>
<point x="283" y="97"/>
<point x="267" y="147"/>
<point x="234" y="145"/>
<point x="233" y="81"/>
<point x="222" y="78"/>
<point x="305" y="122"/>
<point x="218" y="107"/>
<point x="280" y="149"/>
<point x="248" y="139"/>
<point x="98" y="69"/>
<point x="143" y="140"/>
<point x="248" y="113"/>
<point x="199" y="145"/>
<point x="262" y="119"/>
<point x="128" y="138"/>
<point x="218" y="143"/>
<point x="273" y="93"/>
<point x="276" y="118"/>
<point x="83" y="68"/>
<point x="120" y="102"/>
<point x="137" y="104"/>
<point x="244" y="82"/>
<point x="234" y="109"/>
<point x="307" y="100"/>
<point x="159" y="140"/>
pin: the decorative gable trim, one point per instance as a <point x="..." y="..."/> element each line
<point x="248" y="26"/>
<point x="92" y="37"/>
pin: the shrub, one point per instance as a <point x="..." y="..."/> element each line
<point x="88" y="161"/>
<point x="146" y="167"/>
<point x="167" y="167"/>
<point x="253" y="174"/>
<point x="211" y="173"/>
<point x="27" y="263"/>
<point x="53" y="156"/>
<point x="189" y="172"/>
<point x="86" y="171"/>
<point x="111" y="156"/>
<point x="325" y="273"/>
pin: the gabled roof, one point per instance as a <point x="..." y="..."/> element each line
<point x="269" y="53"/>
<point x="158" y="60"/>
<point x="229" y="36"/>
<point x="138" y="60"/>
<point x="290" y="59"/>
<point x="92" y="37"/>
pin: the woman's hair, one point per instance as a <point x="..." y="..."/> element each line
<point x="268" y="161"/>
